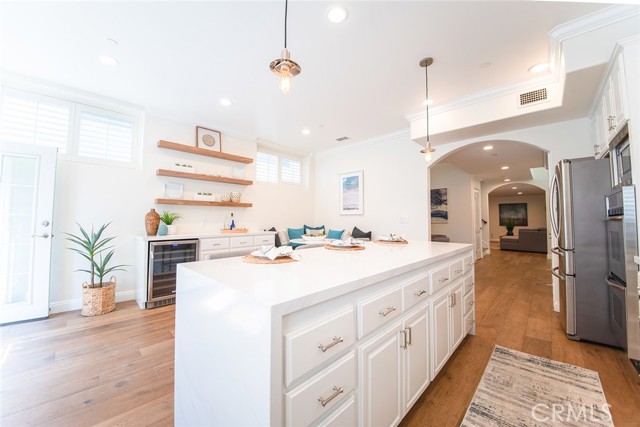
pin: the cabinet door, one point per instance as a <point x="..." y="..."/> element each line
<point x="618" y="95"/>
<point x="416" y="356"/>
<point x="380" y="379"/>
<point x="440" y="321"/>
<point x="457" y="316"/>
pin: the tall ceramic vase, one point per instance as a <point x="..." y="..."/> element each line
<point x="151" y="222"/>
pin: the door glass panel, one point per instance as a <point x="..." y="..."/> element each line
<point x="18" y="183"/>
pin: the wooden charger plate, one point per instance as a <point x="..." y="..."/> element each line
<point x="343" y="248"/>
<point x="258" y="260"/>
<point x="391" y="242"/>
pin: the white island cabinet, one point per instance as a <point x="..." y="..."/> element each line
<point x="337" y="338"/>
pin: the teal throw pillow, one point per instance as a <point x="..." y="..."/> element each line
<point x="335" y="234"/>
<point x="295" y="233"/>
<point x="313" y="231"/>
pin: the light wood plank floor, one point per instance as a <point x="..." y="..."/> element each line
<point x="117" y="369"/>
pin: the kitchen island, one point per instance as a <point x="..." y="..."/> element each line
<point x="337" y="338"/>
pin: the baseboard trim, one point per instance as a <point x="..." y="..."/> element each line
<point x="76" y="303"/>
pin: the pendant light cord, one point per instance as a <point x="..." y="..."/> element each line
<point x="286" y="4"/>
<point x="426" y="78"/>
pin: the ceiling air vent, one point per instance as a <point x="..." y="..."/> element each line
<point x="342" y="138"/>
<point x="533" y="97"/>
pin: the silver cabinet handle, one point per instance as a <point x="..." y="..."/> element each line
<point x="459" y="270"/>
<point x="43" y="235"/>
<point x="404" y="339"/>
<point x="409" y="328"/>
<point x="443" y="279"/>
<point x="389" y="310"/>
<point x="420" y="292"/>
<point x="469" y="264"/>
<point x="336" y="341"/>
<point x="336" y="392"/>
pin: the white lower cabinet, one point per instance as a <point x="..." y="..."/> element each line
<point x="344" y="416"/>
<point x="416" y="356"/>
<point x="447" y="320"/>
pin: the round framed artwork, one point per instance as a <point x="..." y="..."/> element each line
<point x="208" y="139"/>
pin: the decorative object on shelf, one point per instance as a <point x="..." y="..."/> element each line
<point x="235" y="196"/>
<point x="202" y="152"/>
<point x="208" y="139"/>
<point x="173" y="191"/>
<point x="351" y="193"/>
<point x="183" y="168"/>
<point x="427" y="150"/>
<point x="284" y="66"/>
<point x="225" y="197"/>
<point x="151" y="222"/>
<point x="208" y="197"/>
<point x="439" y="206"/>
<point x="167" y="219"/>
<point x="163" y="229"/>
<point x="233" y="223"/>
<point x="98" y="297"/>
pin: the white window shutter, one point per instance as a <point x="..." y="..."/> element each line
<point x="267" y="167"/>
<point x="291" y="170"/>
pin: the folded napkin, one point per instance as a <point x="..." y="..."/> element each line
<point x="349" y="241"/>
<point x="392" y="237"/>
<point x="272" y="252"/>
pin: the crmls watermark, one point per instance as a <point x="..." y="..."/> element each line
<point x="543" y="412"/>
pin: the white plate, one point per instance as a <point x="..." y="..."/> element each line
<point x="343" y="244"/>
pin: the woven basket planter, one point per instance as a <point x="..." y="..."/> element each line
<point x="99" y="300"/>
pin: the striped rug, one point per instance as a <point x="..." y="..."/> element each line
<point x="518" y="389"/>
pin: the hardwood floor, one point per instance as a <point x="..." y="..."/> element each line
<point x="117" y="369"/>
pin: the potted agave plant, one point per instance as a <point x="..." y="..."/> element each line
<point x="98" y="296"/>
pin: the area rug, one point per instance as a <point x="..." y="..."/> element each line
<point x="518" y="389"/>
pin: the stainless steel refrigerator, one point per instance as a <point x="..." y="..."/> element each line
<point x="578" y="212"/>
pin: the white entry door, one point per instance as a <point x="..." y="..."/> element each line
<point x="27" y="178"/>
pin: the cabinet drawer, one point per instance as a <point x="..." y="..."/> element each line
<point x="344" y="416"/>
<point x="264" y="240"/>
<point x="468" y="264"/>
<point x="318" y="395"/>
<point x="469" y="321"/>
<point x="241" y="242"/>
<point x="468" y="284"/>
<point x="414" y="292"/>
<point x="240" y="251"/>
<point x="378" y="310"/>
<point x="468" y="302"/>
<point x="310" y="346"/>
<point x="209" y="255"/>
<point x="439" y="279"/>
<point x="456" y="269"/>
<point x="214" y="243"/>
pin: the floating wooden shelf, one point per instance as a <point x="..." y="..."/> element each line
<point x="201" y="203"/>
<point x="202" y="177"/>
<point x="195" y="150"/>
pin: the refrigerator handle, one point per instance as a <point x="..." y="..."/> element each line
<point x="558" y="251"/>
<point x="553" y="271"/>
<point x="615" y="285"/>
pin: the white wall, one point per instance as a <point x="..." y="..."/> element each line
<point x="395" y="187"/>
<point x="536" y="213"/>
<point x="90" y="194"/>
<point x="459" y="185"/>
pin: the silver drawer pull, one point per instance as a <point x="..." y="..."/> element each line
<point x="443" y="279"/>
<point x="389" y="310"/>
<point x="459" y="270"/>
<point x="336" y="392"/>
<point x="420" y="292"/>
<point x="469" y="264"/>
<point x="336" y="341"/>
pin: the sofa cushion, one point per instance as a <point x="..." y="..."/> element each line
<point x="314" y="231"/>
<point x="359" y="234"/>
<point x="295" y="233"/>
<point x="335" y="234"/>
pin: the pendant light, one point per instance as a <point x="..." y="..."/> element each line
<point x="284" y="66"/>
<point x="427" y="150"/>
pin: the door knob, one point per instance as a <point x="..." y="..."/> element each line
<point x="43" y="235"/>
<point x="45" y="223"/>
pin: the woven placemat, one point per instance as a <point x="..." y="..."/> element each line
<point x="257" y="260"/>
<point x="344" y="248"/>
<point x="391" y="242"/>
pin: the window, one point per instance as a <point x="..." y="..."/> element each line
<point x="79" y="132"/>
<point x="271" y="168"/>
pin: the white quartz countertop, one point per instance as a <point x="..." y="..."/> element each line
<point x="202" y="235"/>
<point x="320" y="274"/>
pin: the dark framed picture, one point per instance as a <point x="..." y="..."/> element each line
<point x="439" y="206"/>
<point x="208" y="139"/>
<point x="513" y="214"/>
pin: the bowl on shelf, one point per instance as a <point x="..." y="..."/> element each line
<point x="235" y="196"/>
<point x="225" y="197"/>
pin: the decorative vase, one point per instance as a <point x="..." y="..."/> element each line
<point x="235" y="196"/>
<point x="225" y="197"/>
<point x="172" y="228"/>
<point x="163" y="230"/>
<point x="509" y="231"/>
<point x="151" y="222"/>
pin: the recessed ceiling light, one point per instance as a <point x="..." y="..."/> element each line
<point x="225" y="102"/>
<point x="337" y="14"/>
<point x="538" y="68"/>
<point x="427" y="101"/>
<point x="306" y="132"/>
<point x="507" y="180"/>
<point x="519" y="192"/>
<point x="108" y="60"/>
<point x="514" y="188"/>
<point x="504" y="168"/>
<point x="487" y="147"/>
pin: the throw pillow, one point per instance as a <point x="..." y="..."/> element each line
<point x="277" y="237"/>
<point x="335" y="234"/>
<point x="313" y="231"/>
<point x="359" y="234"/>
<point x="295" y="233"/>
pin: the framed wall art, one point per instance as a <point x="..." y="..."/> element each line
<point x="439" y="206"/>
<point x="208" y="139"/>
<point x="351" y="193"/>
<point x="513" y="214"/>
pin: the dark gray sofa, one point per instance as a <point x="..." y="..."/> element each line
<point x="528" y="240"/>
